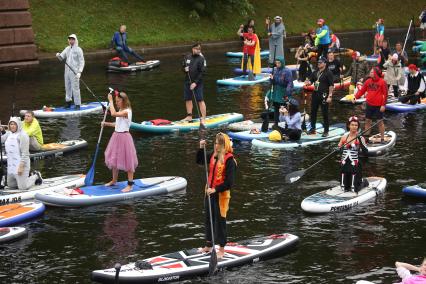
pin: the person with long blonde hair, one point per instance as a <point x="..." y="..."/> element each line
<point x="221" y="171"/>
<point x="120" y="153"/>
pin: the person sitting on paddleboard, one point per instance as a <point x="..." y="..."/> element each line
<point x="282" y="87"/>
<point x="119" y="42"/>
<point x="322" y="95"/>
<point x="33" y="129"/>
<point x="222" y="167"/>
<point x="194" y="66"/>
<point x="292" y="119"/>
<point x="414" y="86"/>
<point x="17" y="146"/>
<point x="377" y="95"/>
<point x="351" y="171"/>
<point x="403" y="270"/>
<point x="120" y="153"/>
<point x="249" y="50"/>
<point x="334" y="65"/>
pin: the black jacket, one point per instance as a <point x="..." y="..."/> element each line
<point x="197" y="67"/>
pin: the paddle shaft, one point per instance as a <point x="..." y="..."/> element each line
<point x="338" y="149"/>
<point x="406" y="36"/>
<point x="271" y="89"/>
<point x="213" y="258"/>
<point x="13" y="95"/>
<point x="84" y="83"/>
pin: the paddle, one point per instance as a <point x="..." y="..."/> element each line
<point x="90" y="176"/>
<point x="295" y="176"/>
<point x="1" y="161"/>
<point x="271" y="89"/>
<point x="84" y="83"/>
<point x="406" y="37"/>
<point x="14" y="85"/>
<point x="202" y="132"/>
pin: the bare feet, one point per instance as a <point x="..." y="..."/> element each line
<point x="205" y="250"/>
<point x="111" y="183"/>
<point x="127" y="188"/>
<point x="220" y="253"/>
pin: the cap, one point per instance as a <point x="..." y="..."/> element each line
<point x="72" y="36"/>
<point x="293" y="101"/>
<point x="322" y="60"/>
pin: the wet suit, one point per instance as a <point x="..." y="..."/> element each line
<point x="220" y="199"/>
<point x="120" y="42"/>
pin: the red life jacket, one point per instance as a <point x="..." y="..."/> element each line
<point x="218" y="170"/>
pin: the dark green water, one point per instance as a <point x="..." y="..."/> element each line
<point x="65" y="245"/>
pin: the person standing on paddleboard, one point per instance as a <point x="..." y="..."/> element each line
<point x="120" y="153"/>
<point x="351" y="170"/>
<point x="322" y="95"/>
<point x="194" y="66"/>
<point x="403" y="270"/>
<point x="17" y="146"/>
<point x="358" y="71"/>
<point x="322" y="39"/>
<point x="282" y="82"/>
<point x="380" y="33"/>
<point x="73" y="55"/>
<point x="119" y="42"/>
<point x="394" y="72"/>
<point x="251" y="52"/>
<point x="334" y="65"/>
<point x="276" y="33"/>
<point x="33" y="129"/>
<point x="222" y="167"/>
<point x="377" y="96"/>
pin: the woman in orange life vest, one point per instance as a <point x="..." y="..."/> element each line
<point x="222" y="166"/>
<point x="351" y="171"/>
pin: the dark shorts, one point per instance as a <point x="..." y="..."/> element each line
<point x="198" y="91"/>
<point x="373" y="112"/>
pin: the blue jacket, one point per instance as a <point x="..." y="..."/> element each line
<point x="326" y="38"/>
<point x="283" y="85"/>
<point x="119" y="40"/>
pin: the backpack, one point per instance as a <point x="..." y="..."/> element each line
<point x="117" y="62"/>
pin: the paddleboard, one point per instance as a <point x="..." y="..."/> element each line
<point x="371" y="58"/>
<point x="244" y="81"/>
<point x="376" y="148"/>
<point x="8" y="234"/>
<point x="56" y="149"/>
<point x="337" y="200"/>
<point x="248" y="135"/>
<point x="212" y="121"/>
<point x="20" y="212"/>
<point x="135" y="67"/>
<point x="337" y="86"/>
<point x="9" y="196"/>
<point x="239" y="54"/>
<point x="97" y="194"/>
<point x="334" y="134"/>
<point x="348" y="100"/>
<point x="400" y="107"/>
<point x="190" y="263"/>
<point x="268" y="70"/>
<point x="415" y="191"/>
<point x="53" y="112"/>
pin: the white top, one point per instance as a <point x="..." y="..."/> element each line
<point x="122" y="124"/>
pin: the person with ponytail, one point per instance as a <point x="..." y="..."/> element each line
<point x="221" y="171"/>
<point x="120" y="153"/>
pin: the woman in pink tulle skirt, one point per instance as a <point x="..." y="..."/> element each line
<point x="120" y="153"/>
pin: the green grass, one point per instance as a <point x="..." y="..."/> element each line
<point x="160" y="22"/>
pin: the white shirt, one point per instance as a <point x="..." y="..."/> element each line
<point x="122" y="124"/>
<point x="422" y="83"/>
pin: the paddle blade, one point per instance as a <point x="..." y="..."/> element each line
<point x="213" y="263"/>
<point x="90" y="176"/>
<point x="202" y="131"/>
<point x="294" y="176"/>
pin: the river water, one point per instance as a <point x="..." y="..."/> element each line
<point x="65" y="245"/>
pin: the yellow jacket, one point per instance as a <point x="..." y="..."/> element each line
<point x="33" y="130"/>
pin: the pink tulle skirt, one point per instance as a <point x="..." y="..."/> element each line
<point x="121" y="153"/>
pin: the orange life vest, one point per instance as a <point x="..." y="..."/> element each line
<point x="217" y="172"/>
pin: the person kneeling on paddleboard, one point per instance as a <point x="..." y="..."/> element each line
<point x="403" y="270"/>
<point x="33" y="129"/>
<point x="17" y="147"/>
<point x="414" y="86"/>
<point x="222" y="166"/>
<point x="119" y="42"/>
<point x="377" y="96"/>
<point x="292" y="119"/>
<point x="120" y="153"/>
<point x="351" y="171"/>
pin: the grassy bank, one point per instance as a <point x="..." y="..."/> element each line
<point x="159" y="22"/>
